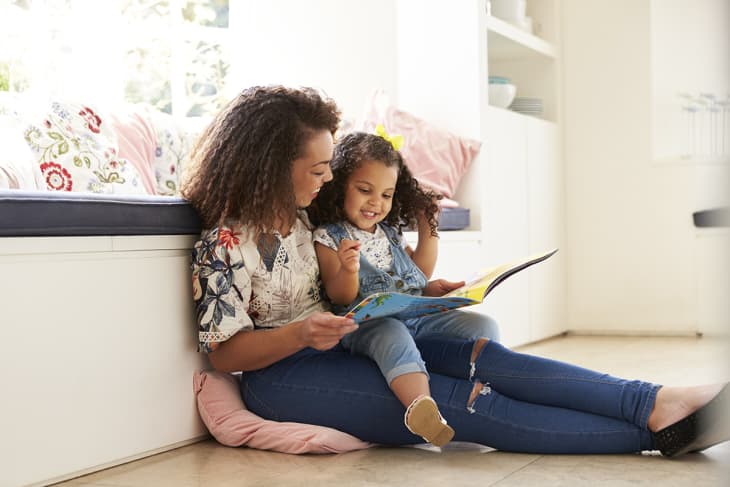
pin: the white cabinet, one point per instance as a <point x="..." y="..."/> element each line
<point x="446" y="52"/>
<point x="524" y="216"/>
<point x="546" y="217"/>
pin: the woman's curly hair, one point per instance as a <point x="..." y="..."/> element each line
<point x="241" y="164"/>
<point x="409" y="198"/>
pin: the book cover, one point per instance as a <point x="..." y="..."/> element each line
<point x="406" y="306"/>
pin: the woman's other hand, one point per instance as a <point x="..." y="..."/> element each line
<point x="439" y="287"/>
<point x="323" y="331"/>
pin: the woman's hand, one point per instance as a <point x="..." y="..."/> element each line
<point x="323" y="331"/>
<point x="439" y="287"/>
<point x="349" y="255"/>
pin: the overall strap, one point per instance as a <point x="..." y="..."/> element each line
<point x="337" y="232"/>
<point x="391" y="233"/>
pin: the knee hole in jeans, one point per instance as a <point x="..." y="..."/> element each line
<point x="479" y="389"/>
<point x="479" y="345"/>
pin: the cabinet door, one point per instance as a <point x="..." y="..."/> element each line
<point x="505" y="220"/>
<point x="459" y="254"/>
<point x="458" y="259"/>
<point x="546" y="229"/>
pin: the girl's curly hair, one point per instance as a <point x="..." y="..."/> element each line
<point x="241" y="164"/>
<point x="409" y="198"/>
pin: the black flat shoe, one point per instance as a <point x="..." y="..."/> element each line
<point x="702" y="429"/>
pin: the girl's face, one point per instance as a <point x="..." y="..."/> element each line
<point x="312" y="170"/>
<point x="369" y="194"/>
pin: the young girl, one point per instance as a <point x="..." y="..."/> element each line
<point x="360" y="249"/>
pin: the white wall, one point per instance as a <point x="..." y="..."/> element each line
<point x="346" y="48"/>
<point x="634" y="254"/>
<point x="634" y="251"/>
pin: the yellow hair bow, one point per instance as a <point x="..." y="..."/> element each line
<point x="395" y="140"/>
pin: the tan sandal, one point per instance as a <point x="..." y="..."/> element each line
<point x="423" y="419"/>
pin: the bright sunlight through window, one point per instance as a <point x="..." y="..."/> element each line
<point x="171" y="54"/>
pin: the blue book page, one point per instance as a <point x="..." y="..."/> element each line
<point x="404" y="306"/>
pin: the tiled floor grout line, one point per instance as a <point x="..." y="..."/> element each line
<point x="516" y="471"/>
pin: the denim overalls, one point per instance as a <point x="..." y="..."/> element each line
<point x="404" y="276"/>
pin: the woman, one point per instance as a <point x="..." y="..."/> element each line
<point x="259" y="310"/>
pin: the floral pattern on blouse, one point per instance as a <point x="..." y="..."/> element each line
<point x="240" y="285"/>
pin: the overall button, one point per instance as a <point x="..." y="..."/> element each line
<point x="399" y="284"/>
<point x="391" y="273"/>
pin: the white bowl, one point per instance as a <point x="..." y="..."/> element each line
<point x="501" y="95"/>
<point x="509" y="10"/>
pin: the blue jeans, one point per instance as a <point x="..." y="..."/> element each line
<point x="531" y="404"/>
<point x="392" y="343"/>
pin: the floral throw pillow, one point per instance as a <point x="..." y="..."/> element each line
<point x="76" y="150"/>
<point x="17" y="167"/>
<point x="174" y="143"/>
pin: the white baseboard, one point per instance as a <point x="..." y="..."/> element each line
<point x="120" y="461"/>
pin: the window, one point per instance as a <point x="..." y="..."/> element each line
<point x="172" y="54"/>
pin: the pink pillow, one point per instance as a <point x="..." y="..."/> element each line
<point x="228" y="420"/>
<point x="137" y="143"/>
<point x="437" y="158"/>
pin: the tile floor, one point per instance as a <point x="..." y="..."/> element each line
<point x="677" y="361"/>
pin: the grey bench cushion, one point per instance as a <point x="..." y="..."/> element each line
<point x="49" y="213"/>
<point x="453" y="218"/>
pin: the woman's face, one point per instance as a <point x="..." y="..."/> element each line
<point x="312" y="170"/>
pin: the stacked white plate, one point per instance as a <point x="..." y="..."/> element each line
<point x="527" y="106"/>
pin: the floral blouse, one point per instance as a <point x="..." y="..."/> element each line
<point x="239" y="284"/>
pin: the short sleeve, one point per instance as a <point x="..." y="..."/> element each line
<point x="221" y="288"/>
<point x="322" y="236"/>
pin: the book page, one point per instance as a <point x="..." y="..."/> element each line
<point x="406" y="306"/>
<point x="486" y="280"/>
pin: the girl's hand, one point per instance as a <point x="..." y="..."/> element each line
<point x="439" y="287"/>
<point x="323" y="331"/>
<point x="349" y="255"/>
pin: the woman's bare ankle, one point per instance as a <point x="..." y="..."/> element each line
<point x="676" y="403"/>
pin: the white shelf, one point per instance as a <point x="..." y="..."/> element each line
<point x="507" y="42"/>
<point x="506" y="112"/>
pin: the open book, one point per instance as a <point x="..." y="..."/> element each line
<point x="405" y="306"/>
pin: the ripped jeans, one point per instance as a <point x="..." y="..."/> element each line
<point x="528" y="404"/>
<point x="392" y="343"/>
